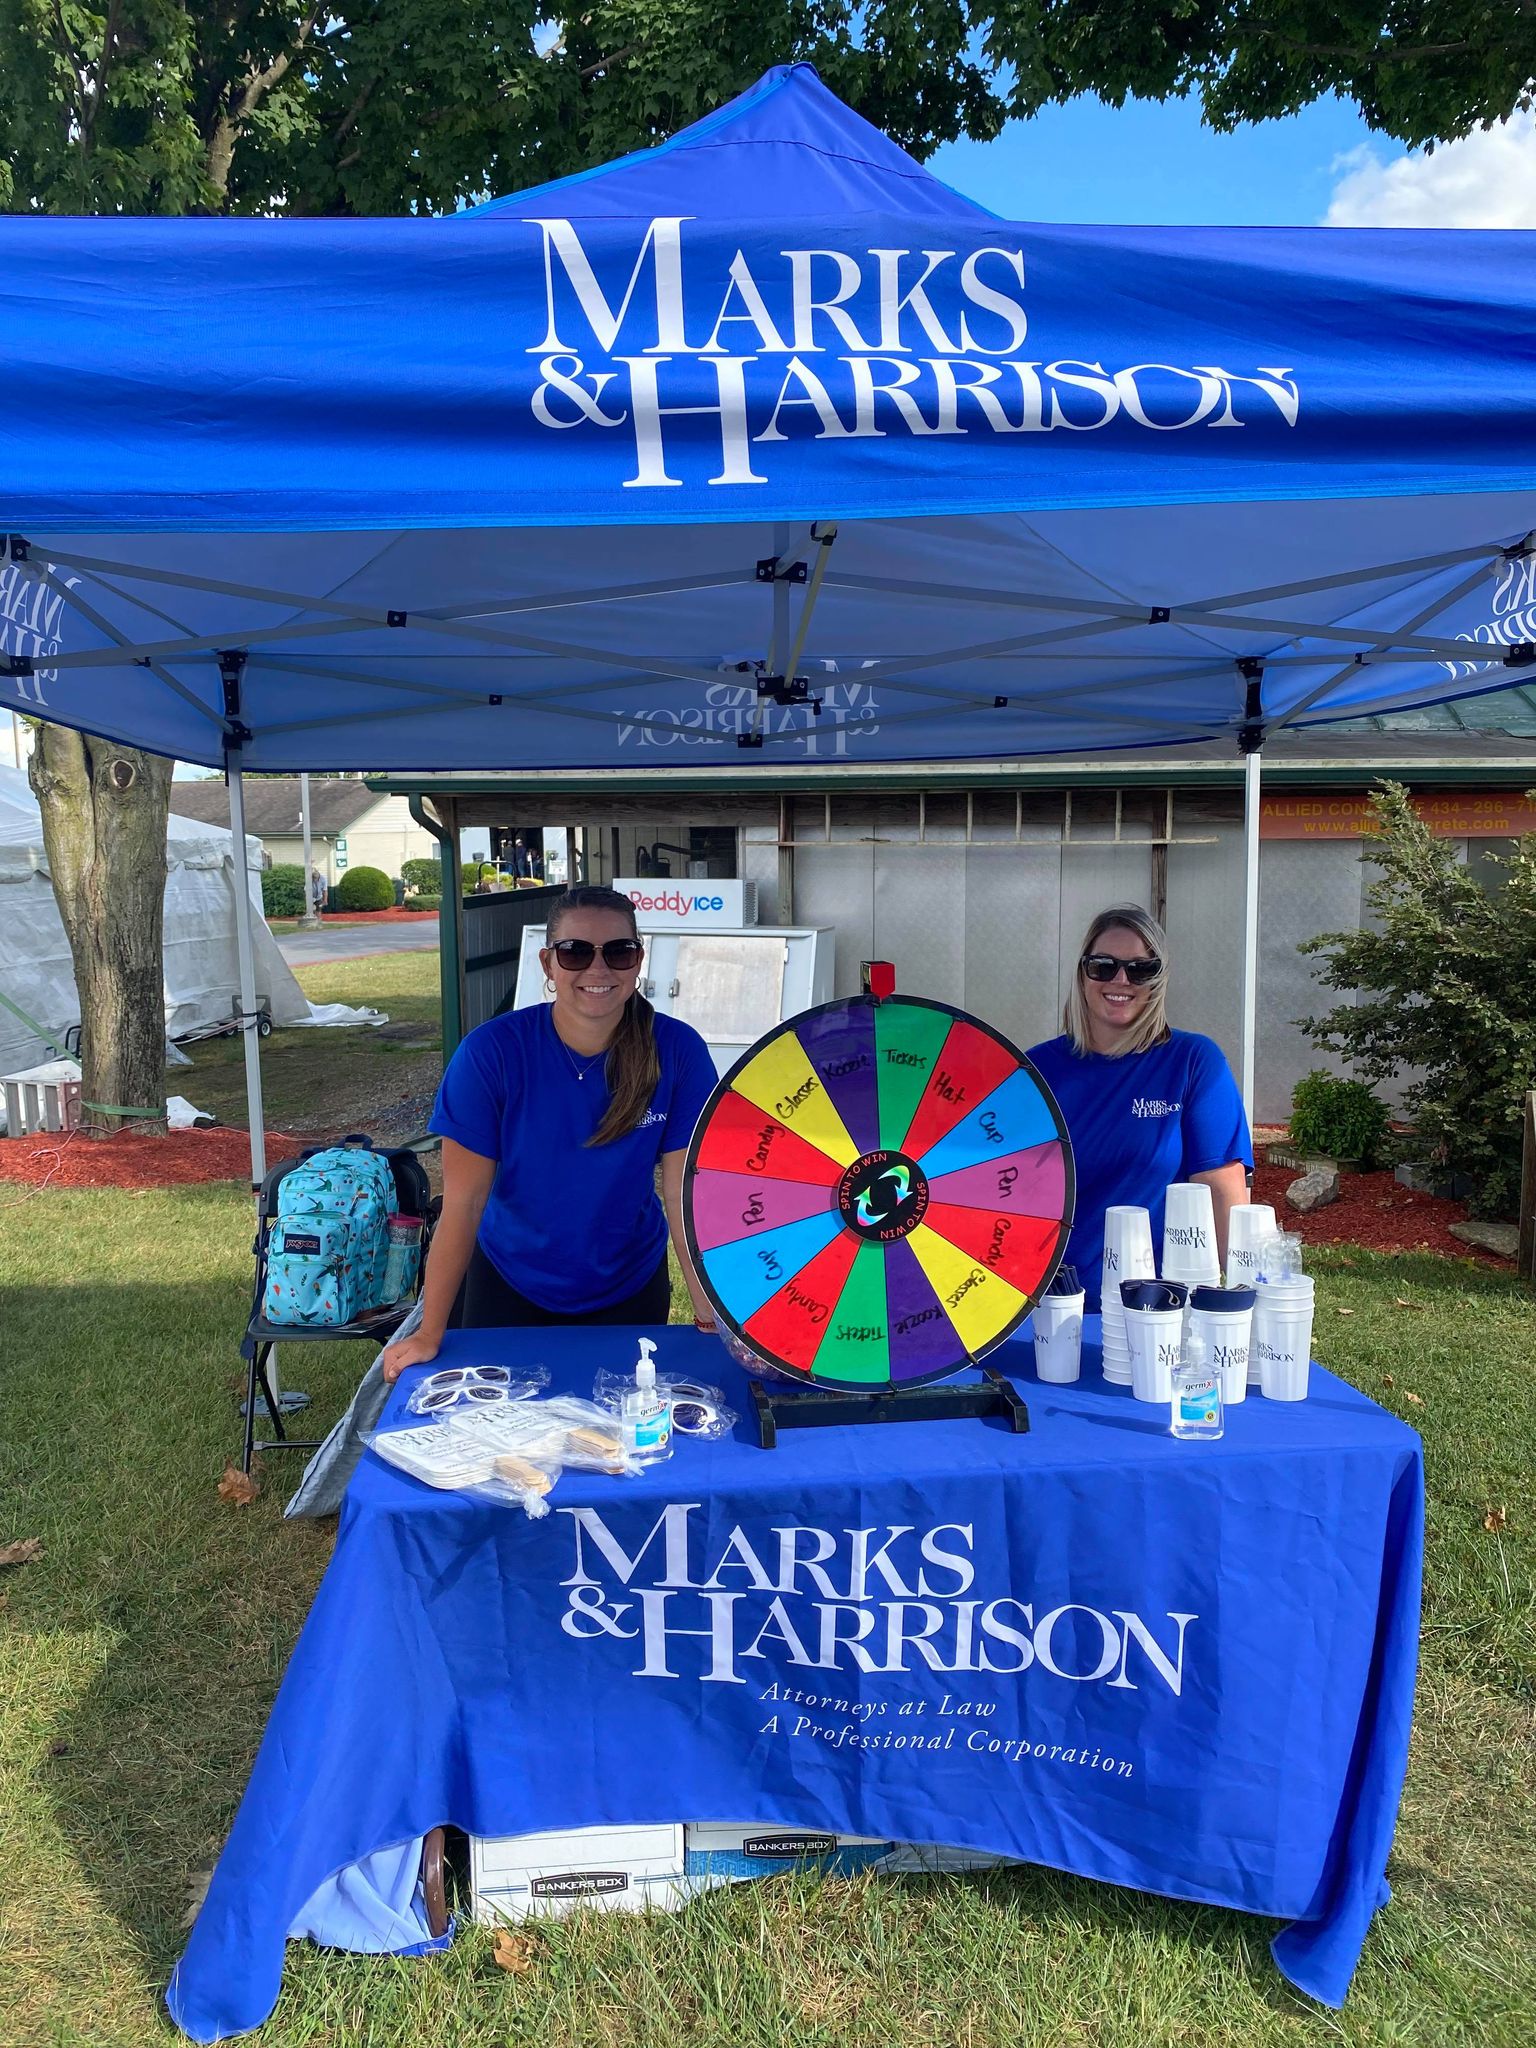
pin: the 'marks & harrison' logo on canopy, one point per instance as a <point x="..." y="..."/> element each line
<point x="846" y="345"/>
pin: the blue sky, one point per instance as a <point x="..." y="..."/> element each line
<point x="1152" y="161"/>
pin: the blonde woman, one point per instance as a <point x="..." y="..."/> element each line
<point x="1144" y="1104"/>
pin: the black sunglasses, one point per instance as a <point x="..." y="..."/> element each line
<point x="1104" y="967"/>
<point x="574" y="954"/>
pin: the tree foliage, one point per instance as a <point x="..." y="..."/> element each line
<point x="1445" y="994"/>
<point x="390" y="106"/>
<point x="284" y="889"/>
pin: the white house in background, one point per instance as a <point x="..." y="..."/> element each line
<point x="351" y="825"/>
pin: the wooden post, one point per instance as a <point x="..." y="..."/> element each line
<point x="1525" y="1260"/>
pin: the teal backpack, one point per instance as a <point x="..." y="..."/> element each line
<point x="329" y="1242"/>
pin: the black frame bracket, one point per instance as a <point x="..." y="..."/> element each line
<point x="840" y="1407"/>
<point x="768" y="571"/>
<point x="1250" y="735"/>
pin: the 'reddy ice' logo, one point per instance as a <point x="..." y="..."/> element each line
<point x="686" y="355"/>
<point x="693" y="1600"/>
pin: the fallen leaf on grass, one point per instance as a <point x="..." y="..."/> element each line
<point x="1343" y="1311"/>
<point x="237" y="1487"/>
<point x="1496" y="1521"/>
<point x="1402" y="1301"/>
<point x="1416" y="1399"/>
<point x="197" y="1891"/>
<point x="512" y="1952"/>
<point x="25" y="1551"/>
<point x="1387" y="1380"/>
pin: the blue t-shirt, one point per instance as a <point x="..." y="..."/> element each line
<point x="570" y="1226"/>
<point x="1137" y="1123"/>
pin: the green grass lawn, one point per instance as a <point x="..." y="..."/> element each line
<point x="315" y="1079"/>
<point x="139" y="1656"/>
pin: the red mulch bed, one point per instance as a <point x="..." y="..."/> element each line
<point x="396" y="914"/>
<point x="1374" y="1211"/>
<point x="130" y="1159"/>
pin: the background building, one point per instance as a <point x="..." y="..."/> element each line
<point x="351" y="825"/>
<point x="978" y="879"/>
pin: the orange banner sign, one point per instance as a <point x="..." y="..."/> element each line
<point x="1495" y="814"/>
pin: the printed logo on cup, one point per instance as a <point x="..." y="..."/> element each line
<point x="1188" y="1237"/>
<point x="1232" y="1356"/>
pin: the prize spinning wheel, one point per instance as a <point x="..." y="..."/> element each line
<point x="878" y="1192"/>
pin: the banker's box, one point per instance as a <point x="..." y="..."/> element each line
<point x="618" y="1869"/>
<point x="721" y="1851"/>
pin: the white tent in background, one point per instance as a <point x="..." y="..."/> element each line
<point x="202" y="976"/>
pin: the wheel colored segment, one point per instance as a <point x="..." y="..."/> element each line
<point x="877" y="1192"/>
<point x="923" y="1340"/>
<point x="1030" y="1183"/>
<point x="792" y="1324"/>
<point x="839" y="1042"/>
<point x="1011" y="1119"/>
<point x="908" y="1040"/>
<point x="856" y="1348"/>
<point x="731" y="1206"/>
<point x="735" y="1136"/>
<point x="1017" y="1248"/>
<point x="744" y="1275"/>
<point x="979" y="1303"/>
<point x="971" y="1063"/>
<point x="781" y="1080"/>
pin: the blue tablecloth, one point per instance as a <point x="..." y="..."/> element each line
<point x="1186" y="1667"/>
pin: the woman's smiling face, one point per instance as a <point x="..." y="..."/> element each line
<point x="597" y="992"/>
<point x="1114" y="1006"/>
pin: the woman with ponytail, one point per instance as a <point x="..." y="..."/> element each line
<point x="553" y="1121"/>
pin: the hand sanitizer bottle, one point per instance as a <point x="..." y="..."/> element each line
<point x="645" y="1415"/>
<point x="1196" y="1389"/>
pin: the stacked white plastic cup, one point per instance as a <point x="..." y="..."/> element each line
<point x="1225" y="1315"/>
<point x="1282" y="1336"/>
<point x="1189" y="1235"/>
<point x="1156" y="1337"/>
<point x="1058" y="1327"/>
<point x="1127" y="1256"/>
<point x="1247" y="1228"/>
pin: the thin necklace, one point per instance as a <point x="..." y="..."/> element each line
<point x="579" y="1069"/>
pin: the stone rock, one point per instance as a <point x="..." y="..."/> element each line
<point x="1500" y="1238"/>
<point x="1314" y="1190"/>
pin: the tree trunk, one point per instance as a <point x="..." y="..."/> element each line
<point x="104" y="810"/>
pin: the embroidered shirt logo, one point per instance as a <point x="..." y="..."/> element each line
<point x="1154" y="1105"/>
<point x="651" y="1118"/>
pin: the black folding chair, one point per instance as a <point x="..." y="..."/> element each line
<point x="377" y="1327"/>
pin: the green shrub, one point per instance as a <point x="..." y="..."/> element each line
<point x="469" y="874"/>
<point x="421" y="874"/>
<point x="365" y="889"/>
<point x="282" y="890"/>
<point x="424" y="901"/>
<point x="1439" y="990"/>
<point x="1341" y="1119"/>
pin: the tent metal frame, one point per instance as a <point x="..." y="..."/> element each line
<point x="803" y="559"/>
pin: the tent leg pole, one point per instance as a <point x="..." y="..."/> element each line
<point x="247" y="953"/>
<point x="450" y="923"/>
<point x="1251" y="790"/>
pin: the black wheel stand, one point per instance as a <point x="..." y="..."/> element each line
<point x="832" y="1407"/>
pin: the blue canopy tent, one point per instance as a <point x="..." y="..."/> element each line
<point x="755" y="434"/>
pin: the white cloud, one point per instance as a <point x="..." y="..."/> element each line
<point x="1487" y="180"/>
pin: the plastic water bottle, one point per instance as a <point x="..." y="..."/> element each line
<point x="1196" y="1408"/>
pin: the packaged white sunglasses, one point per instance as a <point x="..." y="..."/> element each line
<point x="476" y="1386"/>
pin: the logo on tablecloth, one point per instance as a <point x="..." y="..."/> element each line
<point x="690" y="1602"/>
